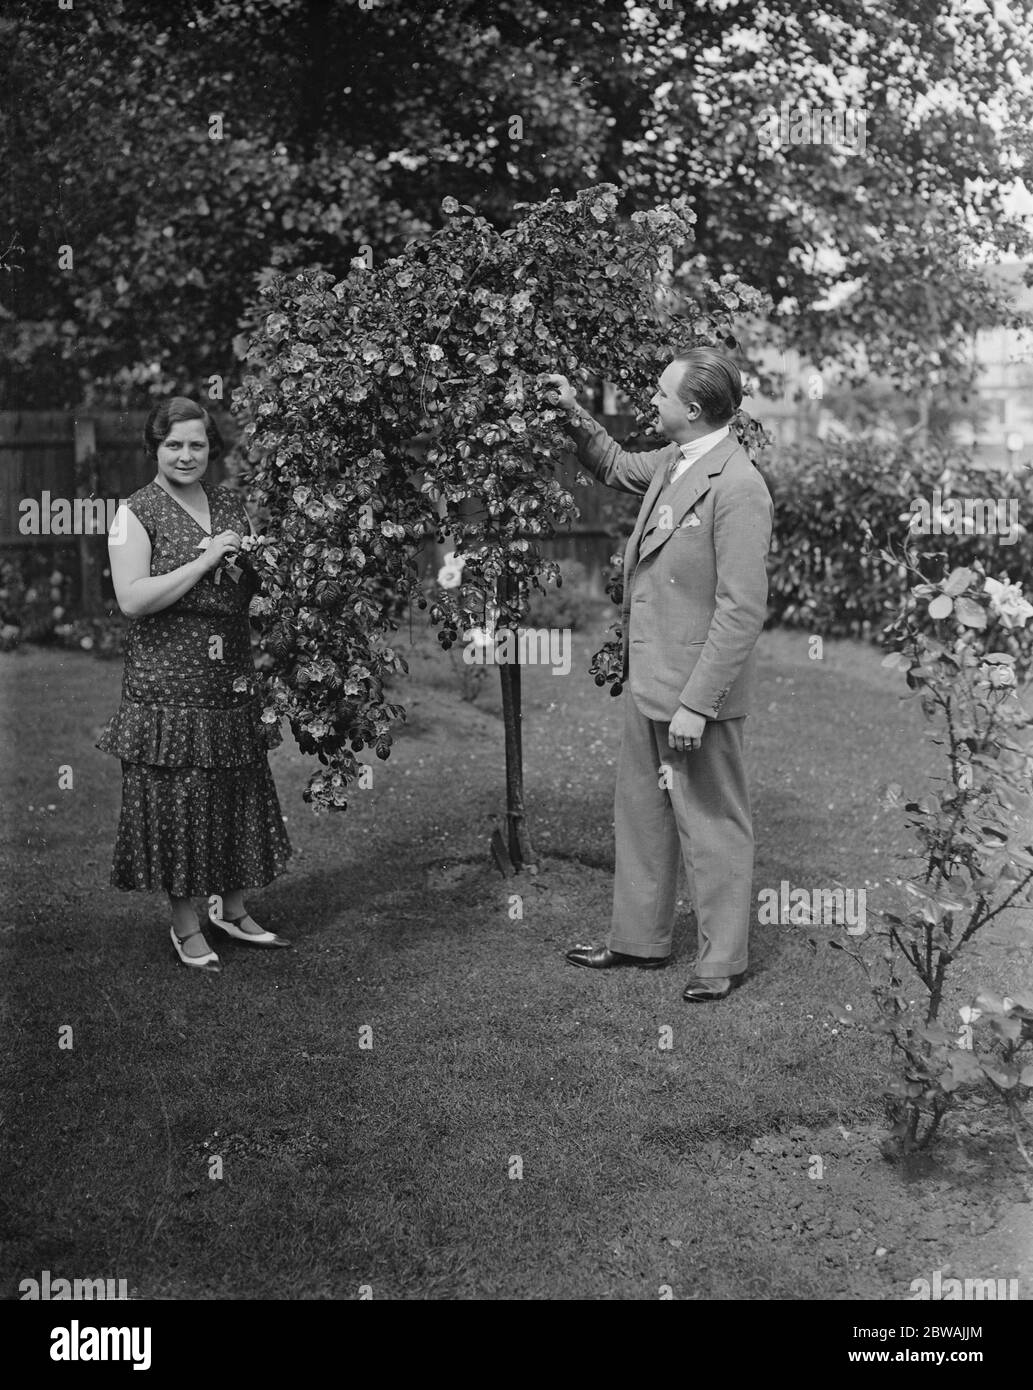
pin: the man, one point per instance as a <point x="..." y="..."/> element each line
<point x="695" y="600"/>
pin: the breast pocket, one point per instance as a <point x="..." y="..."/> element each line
<point x="685" y="533"/>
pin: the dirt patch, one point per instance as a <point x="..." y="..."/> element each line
<point x="840" y="1221"/>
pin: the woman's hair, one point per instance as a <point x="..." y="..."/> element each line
<point x="173" y="412"/>
<point x="711" y="382"/>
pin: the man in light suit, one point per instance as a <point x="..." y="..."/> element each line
<point x="695" y="600"/>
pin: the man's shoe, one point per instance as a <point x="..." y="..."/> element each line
<point x="709" y="991"/>
<point x="602" y="958"/>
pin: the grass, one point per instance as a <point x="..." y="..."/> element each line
<point x="515" y="1130"/>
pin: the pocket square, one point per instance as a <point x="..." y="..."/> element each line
<point x="691" y="520"/>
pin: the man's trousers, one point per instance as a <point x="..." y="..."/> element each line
<point x="696" y="805"/>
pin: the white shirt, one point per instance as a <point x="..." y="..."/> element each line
<point x="695" y="449"/>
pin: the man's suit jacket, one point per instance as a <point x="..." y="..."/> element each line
<point x="696" y="589"/>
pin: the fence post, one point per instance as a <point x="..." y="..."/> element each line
<point x="87" y="482"/>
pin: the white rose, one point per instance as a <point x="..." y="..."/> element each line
<point x="1007" y="602"/>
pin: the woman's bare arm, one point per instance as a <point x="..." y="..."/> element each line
<point x="140" y="593"/>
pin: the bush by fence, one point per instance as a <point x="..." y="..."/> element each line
<point x="823" y="576"/>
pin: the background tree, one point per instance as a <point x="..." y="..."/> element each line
<point x="341" y="126"/>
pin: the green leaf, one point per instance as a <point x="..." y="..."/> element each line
<point x="1005" y="1077"/>
<point x="969" y="613"/>
<point x="958" y="581"/>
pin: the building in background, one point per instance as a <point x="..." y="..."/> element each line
<point x="995" y="422"/>
<point x="1001" y="435"/>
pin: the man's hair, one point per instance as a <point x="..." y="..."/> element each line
<point x="173" y="412"/>
<point x="711" y="382"/>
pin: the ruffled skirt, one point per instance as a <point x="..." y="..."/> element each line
<point x="200" y="814"/>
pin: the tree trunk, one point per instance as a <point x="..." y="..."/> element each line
<point x="312" y="102"/>
<point x="521" y="851"/>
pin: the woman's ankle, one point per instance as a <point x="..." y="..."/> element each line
<point x="184" y="918"/>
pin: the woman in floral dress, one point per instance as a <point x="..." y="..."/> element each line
<point x="200" y="814"/>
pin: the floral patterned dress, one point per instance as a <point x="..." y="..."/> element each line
<point x="199" y="808"/>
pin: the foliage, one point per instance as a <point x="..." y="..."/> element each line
<point x="973" y="831"/>
<point x="822" y="579"/>
<point x="106" y="145"/>
<point x="565" y="603"/>
<point x="405" y="402"/>
<point x="39" y="603"/>
<point x="103" y="637"/>
<point x="878" y="408"/>
<point x="34" y="595"/>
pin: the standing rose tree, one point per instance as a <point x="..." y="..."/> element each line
<point x="404" y="403"/>
<point x="964" y="643"/>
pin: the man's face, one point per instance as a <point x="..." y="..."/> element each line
<point x="670" y="411"/>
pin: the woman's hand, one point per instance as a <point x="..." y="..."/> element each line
<point x="224" y="546"/>
<point x="141" y="593"/>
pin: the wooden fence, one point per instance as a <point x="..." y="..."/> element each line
<point x="64" y="453"/>
<point x="51" y="458"/>
<point x="61" y="456"/>
<point x="51" y="462"/>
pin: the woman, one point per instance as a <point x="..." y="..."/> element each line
<point x="199" y="807"/>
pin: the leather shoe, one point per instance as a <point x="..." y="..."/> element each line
<point x="602" y="958"/>
<point x="709" y="991"/>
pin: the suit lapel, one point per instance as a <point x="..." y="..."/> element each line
<point x="656" y="485"/>
<point x="687" y="491"/>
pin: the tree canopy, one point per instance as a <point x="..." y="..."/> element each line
<point x="445" y="344"/>
<point x="164" y="160"/>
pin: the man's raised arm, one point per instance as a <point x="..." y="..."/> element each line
<point x="597" y="451"/>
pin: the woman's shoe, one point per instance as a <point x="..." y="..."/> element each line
<point x="231" y="926"/>
<point x="209" y="962"/>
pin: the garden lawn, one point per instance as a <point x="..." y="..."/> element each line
<point x="517" y="1128"/>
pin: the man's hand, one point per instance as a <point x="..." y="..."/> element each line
<point x="686" y="731"/>
<point x="562" y="394"/>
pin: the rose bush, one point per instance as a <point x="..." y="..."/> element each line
<point x="403" y="403"/>
<point x="959" y="640"/>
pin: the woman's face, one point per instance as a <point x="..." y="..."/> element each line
<point x="183" y="454"/>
